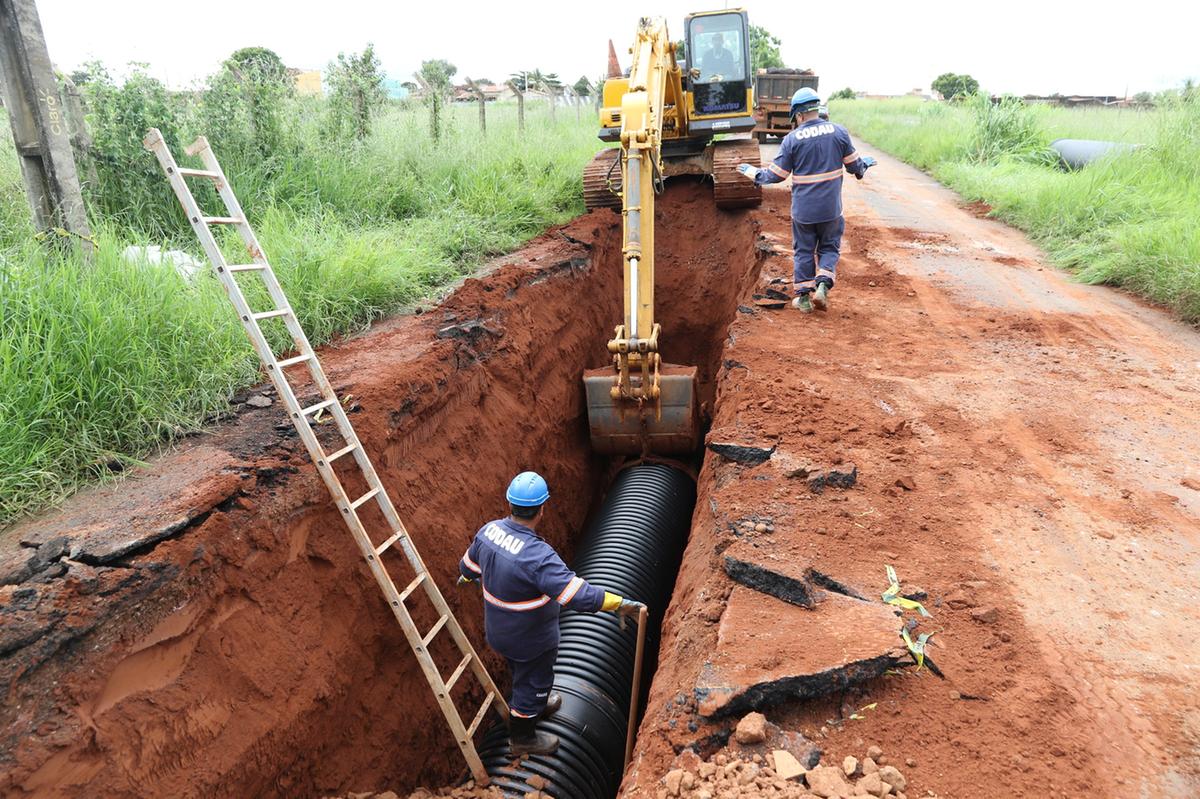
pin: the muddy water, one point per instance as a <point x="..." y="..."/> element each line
<point x="248" y="653"/>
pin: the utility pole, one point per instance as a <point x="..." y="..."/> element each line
<point x="39" y="123"/>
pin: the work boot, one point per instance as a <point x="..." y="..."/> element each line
<point x="821" y="297"/>
<point x="524" y="739"/>
<point x="553" y="703"/>
<point x="802" y="304"/>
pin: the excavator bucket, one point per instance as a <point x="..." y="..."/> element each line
<point x="623" y="427"/>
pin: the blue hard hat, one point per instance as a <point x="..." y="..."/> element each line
<point x="528" y="490"/>
<point x="803" y="98"/>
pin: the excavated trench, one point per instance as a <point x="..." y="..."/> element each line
<point x="245" y="651"/>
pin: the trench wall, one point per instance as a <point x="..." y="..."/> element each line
<point x="249" y="653"/>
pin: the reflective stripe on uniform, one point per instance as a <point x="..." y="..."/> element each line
<point x="569" y="592"/>
<point x="850" y="159"/>
<point x="470" y="564"/>
<point x="821" y="272"/>
<point x="820" y="177"/>
<point x="528" y="604"/>
<point x="778" y="170"/>
<point x="521" y="715"/>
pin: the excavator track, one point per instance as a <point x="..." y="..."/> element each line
<point x="602" y="172"/>
<point x="731" y="189"/>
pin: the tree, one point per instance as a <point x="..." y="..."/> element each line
<point x="952" y="86"/>
<point x="536" y="80"/>
<point x="681" y="50"/>
<point x="843" y="94"/>
<point x="355" y="91"/>
<point x="434" y="78"/>
<point x="264" y="64"/>
<point x="1144" y="98"/>
<point x="243" y="105"/>
<point x="583" y="86"/>
<point x="764" y="49"/>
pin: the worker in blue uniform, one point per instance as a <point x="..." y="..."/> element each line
<point x="525" y="584"/>
<point x="813" y="155"/>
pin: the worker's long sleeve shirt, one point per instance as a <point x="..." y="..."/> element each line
<point x="525" y="583"/>
<point x="813" y="155"/>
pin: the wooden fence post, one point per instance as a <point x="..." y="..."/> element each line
<point x="479" y="95"/>
<point x="516" y="89"/>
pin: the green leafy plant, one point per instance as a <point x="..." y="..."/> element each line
<point x="1006" y="128"/>
<point x="843" y="94"/>
<point x="356" y="93"/>
<point x="434" y="77"/>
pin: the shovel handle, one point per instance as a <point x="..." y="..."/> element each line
<point x="637" y="685"/>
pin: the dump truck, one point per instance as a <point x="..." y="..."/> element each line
<point x="773" y="90"/>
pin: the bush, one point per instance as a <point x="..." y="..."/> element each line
<point x="131" y="192"/>
<point x="1006" y="128"/>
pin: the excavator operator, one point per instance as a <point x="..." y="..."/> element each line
<point x="718" y="60"/>
<point x="525" y="583"/>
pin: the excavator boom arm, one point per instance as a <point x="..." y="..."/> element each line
<point x="645" y="406"/>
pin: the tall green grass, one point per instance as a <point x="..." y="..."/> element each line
<point x="102" y="364"/>
<point x="1127" y="220"/>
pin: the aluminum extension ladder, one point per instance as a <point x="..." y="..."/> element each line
<point x="330" y="403"/>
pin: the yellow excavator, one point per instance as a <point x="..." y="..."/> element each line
<point x="666" y="115"/>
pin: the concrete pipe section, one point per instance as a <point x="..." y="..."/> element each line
<point x="632" y="547"/>
<point x="1078" y="153"/>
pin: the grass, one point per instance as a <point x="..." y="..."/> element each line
<point x="1127" y="220"/>
<point x="104" y="364"/>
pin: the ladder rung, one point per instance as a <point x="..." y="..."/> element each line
<point x="344" y="450"/>
<point x="274" y="313"/>
<point x="420" y="578"/>
<point x="286" y="362"/>
<point x="317" y="407"/>
<point x="199" y="173"/>
<point x="364" y="498"/>
<point x="458" y="672"/>
<point x="379" y="550"/>
<point x="246" y="267"/>
<point x="222" y="220"/>
<point x="482" y="712"/>
<point x="434" y="631"/>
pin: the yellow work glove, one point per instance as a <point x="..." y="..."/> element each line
<point x="624" y="608"/>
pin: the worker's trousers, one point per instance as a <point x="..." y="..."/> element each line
<point x="531" y="681"/>
<point x="817" y="247"/>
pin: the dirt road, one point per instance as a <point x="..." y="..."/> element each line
<point x="1027" y="454"/>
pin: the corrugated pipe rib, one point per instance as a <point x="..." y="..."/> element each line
<point x="632" y="547"/>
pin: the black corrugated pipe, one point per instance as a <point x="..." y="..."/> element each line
<point x="632" y="547"/>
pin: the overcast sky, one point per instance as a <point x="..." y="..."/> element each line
<point x="880" y="47"/>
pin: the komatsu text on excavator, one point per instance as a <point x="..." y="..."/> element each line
<point x="665" y="114"/>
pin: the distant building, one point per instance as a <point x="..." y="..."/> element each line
<point x="1077" y="100"/>
<point x="395" y="89"/>
<point x="491" y="92"/>
<point x="307" y="82"/>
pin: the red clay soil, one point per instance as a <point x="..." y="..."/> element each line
<point x="207" y="627"/>
<point x="1026" y="453"/>
<point x="1025" y="450"/>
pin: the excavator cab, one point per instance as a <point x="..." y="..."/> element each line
<point x="719" y="78"/>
